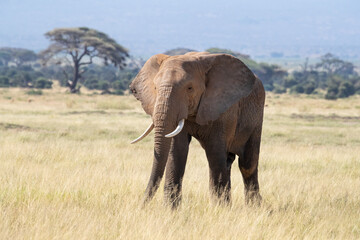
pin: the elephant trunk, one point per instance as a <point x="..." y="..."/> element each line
<point x="164" y="119"/>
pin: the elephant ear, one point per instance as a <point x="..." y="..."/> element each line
<point x="143" y="87"/>
<point x="227" y="81"/>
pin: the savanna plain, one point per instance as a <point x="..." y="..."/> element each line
<point x="68" y="171"/>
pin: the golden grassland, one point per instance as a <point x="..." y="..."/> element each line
<point x="67" y="171"/>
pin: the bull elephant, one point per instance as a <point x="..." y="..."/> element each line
<point x="214" y="98"/>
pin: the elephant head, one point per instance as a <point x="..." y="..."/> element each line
<point x="196" y="87"/>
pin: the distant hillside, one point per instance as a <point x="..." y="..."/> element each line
<point x="178" y="51"/>
<point x="227" y="51"/>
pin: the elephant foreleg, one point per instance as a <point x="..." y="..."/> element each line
<point x="248" y="164"/>
<point x="175" y="168"/>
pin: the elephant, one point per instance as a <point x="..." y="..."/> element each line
<point x="214" y="98"/>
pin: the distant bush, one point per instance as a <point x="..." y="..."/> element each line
<point x="22" y="76"/>
<point x="42" y="82"/>
<point x="119" y="92"/>
<point x="309" y="87"/>
<point x="289" y="81"/>
<point x="103" y="85"/>
<point x="330" y="95"/>
<point x="297" y="89"/>
<point x="4" y="81"/>
<point x="279" y="89"/>
<point x="346" y="89"/>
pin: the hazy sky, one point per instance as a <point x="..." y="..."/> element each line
<point x="148" y="27"/>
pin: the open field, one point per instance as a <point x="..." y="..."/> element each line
<point x="67" y="171"/>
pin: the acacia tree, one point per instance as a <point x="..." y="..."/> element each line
<point x="80" y="46"/>
<point x="333" y="65"/>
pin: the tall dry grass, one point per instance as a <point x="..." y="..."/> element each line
<point x="67" y="171"/>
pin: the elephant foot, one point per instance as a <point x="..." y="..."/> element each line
<point x="221" y="195"/>
<point x="148" y="195"/>
<point x="253" y="198"/>
<point x="173" y="203"/>
<point x="172" y="197"/>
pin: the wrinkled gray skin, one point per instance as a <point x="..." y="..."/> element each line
<point x="222" y="103"/>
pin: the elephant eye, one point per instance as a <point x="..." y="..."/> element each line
<point x="190" y="88"/>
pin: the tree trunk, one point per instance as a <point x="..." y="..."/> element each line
<point x="73" y="84"/>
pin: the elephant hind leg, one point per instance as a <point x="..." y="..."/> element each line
<point x="219" y="166"/>
<point x="248" y="164"/>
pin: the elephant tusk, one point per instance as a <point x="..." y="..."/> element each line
<point x="147" y="131"/>
<point x="177" y="130"/>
